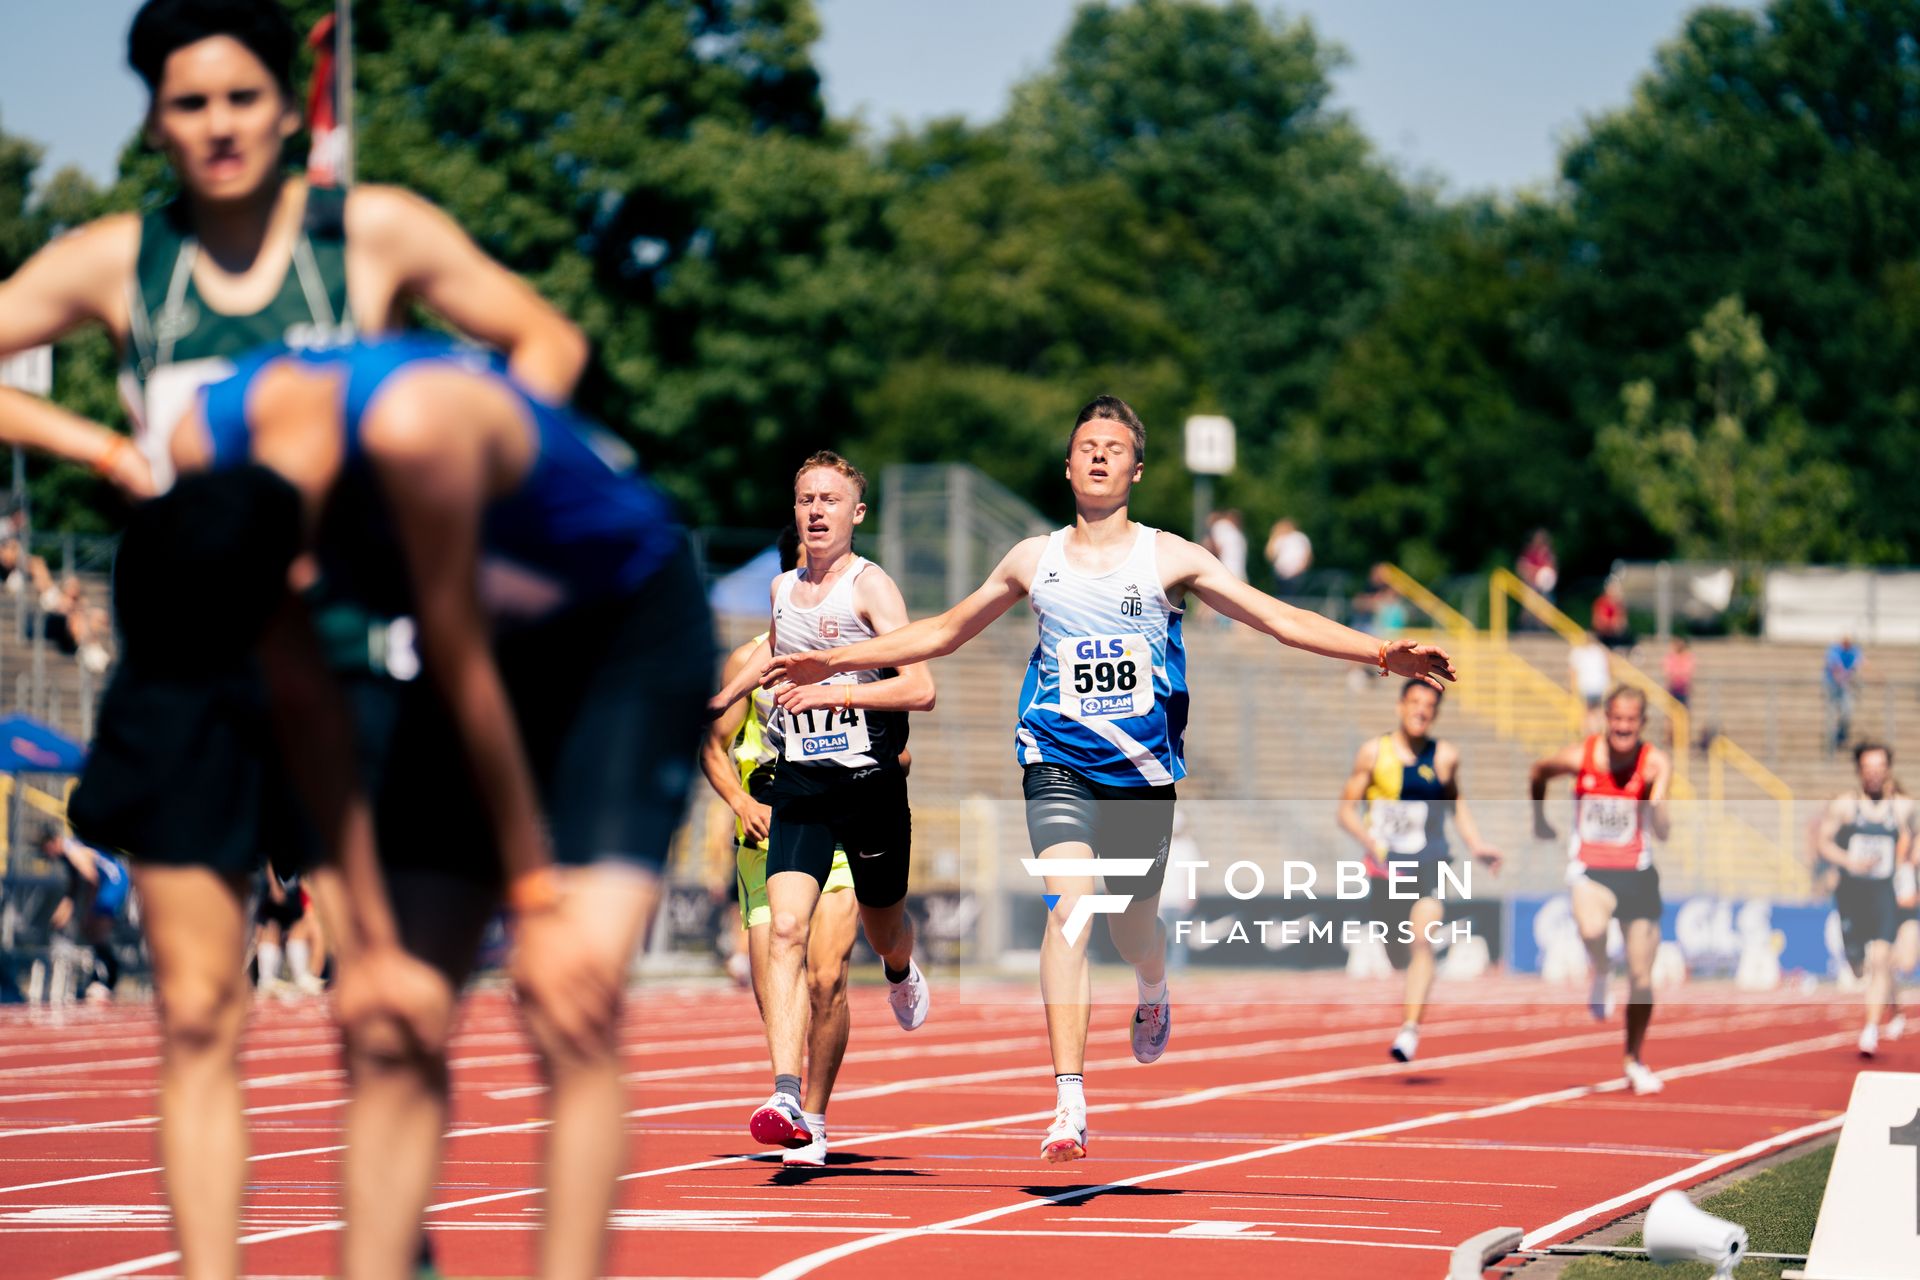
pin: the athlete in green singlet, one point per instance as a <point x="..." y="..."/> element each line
<point x="248" y="255"/>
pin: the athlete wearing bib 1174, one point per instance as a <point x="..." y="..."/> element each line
<point x="837" y="780"/>
<point x="1101" y="719"/>
<point x="1619" y="808"/>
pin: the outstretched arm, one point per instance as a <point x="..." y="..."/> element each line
<point x="879" y="602"/>
<point x="929" y="638"/>
<point x="1195" y="569"/>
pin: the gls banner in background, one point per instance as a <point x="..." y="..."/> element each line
<point x="1713" y="933"/>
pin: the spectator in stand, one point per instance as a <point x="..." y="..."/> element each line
<point x="1290" y="552"/>
<point x="1591" y="671"/>
<point x="74" y="626"/>
<point x="1610" y="617"/>
<point x="1679" y="671"/>
<point x="1842" y="673"/>
<point x="1227" y="539"/>
<point x="13" y="568"/>
<point x="1538" y="568"/>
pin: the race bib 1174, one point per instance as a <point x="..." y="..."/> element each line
<point x="825" y="734"/>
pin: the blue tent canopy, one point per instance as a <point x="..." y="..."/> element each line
<point x="28" y="746"/>
<point x="744" y="591"/>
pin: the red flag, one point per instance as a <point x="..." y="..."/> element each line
<point x="329" y="139"/>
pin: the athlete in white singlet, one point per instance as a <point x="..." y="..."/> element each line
<point x="838" y="782"/>
<point x="1867" y="836"/>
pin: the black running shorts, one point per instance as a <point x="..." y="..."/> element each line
<point x="1065" y="807"/>
<point x="1869" y="912"/>
<point x="818" y="808"/>
<point x="1636" y="893"/>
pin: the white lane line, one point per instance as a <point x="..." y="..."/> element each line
<point x="811" y="1262"/>
<point x="1693" y="1171"/>
<point x="1539" y="1049"/>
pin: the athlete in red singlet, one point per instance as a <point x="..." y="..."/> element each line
<point x="1619" y="809"/>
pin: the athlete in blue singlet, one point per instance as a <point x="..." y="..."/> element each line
<point x="1102" y="717"/>
<point x="1396" y="802"/>
<point x="562" y="621"/>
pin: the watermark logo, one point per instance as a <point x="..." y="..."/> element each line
<point x="1088" y="905"/>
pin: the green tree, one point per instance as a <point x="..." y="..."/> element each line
<point x="1216" y="118"/>
<point x="662" y="169"/>
<point x="1736" y="474"/>
<point x="1773" y="155"/>
<point x="1443" y="431"/>
<point x="1006" y="300"/>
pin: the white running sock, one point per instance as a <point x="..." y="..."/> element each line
<point x="816" y="1124"/>
<point x="1072" y="1090"/>
<point x="269" y="958"/>
<point x="1153" y="994"/>
<point x="299" y="959"/>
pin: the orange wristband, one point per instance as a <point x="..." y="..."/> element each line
<point x="1382" y="659"/>
<point x="535" y="891"/>
<point x="846" y="699"/>
<point x="110" y="456"/>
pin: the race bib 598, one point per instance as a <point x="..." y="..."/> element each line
<point x="1106" y="677"/>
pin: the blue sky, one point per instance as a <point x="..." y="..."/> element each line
<point x="1477" y="93"/>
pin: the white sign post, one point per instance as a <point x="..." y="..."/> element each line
<point x="1869" y="1225"/>
<point x="1209" y="454"/>
<point x="30" y="371"/>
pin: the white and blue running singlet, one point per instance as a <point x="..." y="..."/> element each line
<point x="1106" y="687"/>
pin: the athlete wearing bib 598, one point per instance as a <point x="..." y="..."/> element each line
<point x="1102" y="716"/>
<point x="1619" y="809"/>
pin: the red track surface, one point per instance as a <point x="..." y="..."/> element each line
<point x="1272" y="1138"/>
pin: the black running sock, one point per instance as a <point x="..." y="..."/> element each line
<point x="895" y="975"/>
<point x="789" y="1085"/>
<point x="106" y="965"/>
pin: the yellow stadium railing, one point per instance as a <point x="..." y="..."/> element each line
<point x="1526" y="705"/>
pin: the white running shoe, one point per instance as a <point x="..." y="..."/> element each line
<point x="1406" y="1044"/>
<point x="1895" y="1028"/>
<point x="1869" y="1040"/>
<point x="811" y="1156"/>
<point x="1599" y="995"/>
<point x="309" y="984"/>
<point x="779" y="1123"/>
<point x="1067" y="1139"/>
<point x="1152" y="1024"/>
<point x="909" y="998"/>
<point x="1643" y="1081"/>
